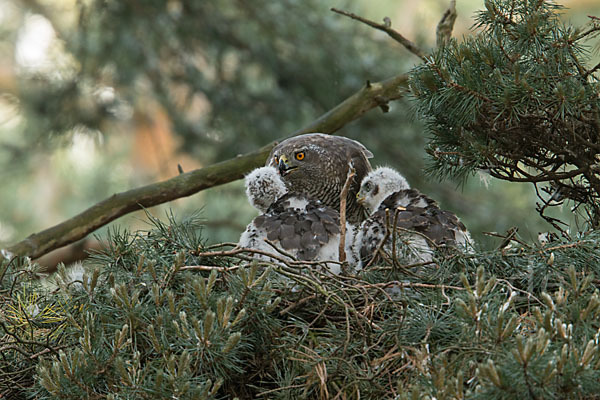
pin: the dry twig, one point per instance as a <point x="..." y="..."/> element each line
<point x="343" y="200"/>
<point x="208" y="268"/>
<point x="386" y="27"/>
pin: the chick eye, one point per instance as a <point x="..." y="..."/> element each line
<point x="368" y="186"/>
<point x="300" y="156"/>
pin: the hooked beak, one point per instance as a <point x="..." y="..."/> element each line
<point x="283" y="166"/>
<point x="361" y="199"/>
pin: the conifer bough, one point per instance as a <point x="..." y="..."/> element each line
<point x="519" y="100"/>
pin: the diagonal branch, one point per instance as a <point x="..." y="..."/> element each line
<point x="370" y="96"/>
<point x="397" y="36"/>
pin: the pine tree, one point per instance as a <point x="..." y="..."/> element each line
<point x="518" y="100"/>
<point x="160" y="315"/>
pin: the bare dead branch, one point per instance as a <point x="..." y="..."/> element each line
<point x="209" y="268"/>
<point x="386" y="27"/>
<point x="510" y="235"/>
<point x="343" y="199"/>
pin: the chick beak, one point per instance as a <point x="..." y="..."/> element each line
<point x="284" y="168"/>
<point x="361" y="199"/>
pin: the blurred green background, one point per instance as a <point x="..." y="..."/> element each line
<point x="98" y="97"/>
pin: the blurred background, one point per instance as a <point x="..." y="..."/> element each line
<point x="99" y="97"/>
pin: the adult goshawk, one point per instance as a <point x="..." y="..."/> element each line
<point x="317" y="164"/>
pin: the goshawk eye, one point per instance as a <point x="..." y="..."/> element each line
<point x="300" y="156"/>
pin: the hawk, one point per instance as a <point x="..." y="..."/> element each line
<point x="317" y="164"/>
<point x="300" y="225"/>
<point x="416" y="221"/>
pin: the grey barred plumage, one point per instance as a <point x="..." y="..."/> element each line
<point x="317" y="164"/>
<point x="300" y="224"/>
<point x="417" y="221"/>
<point x="295" y="222"/>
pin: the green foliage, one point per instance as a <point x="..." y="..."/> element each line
<point x="228" y="74"/>
<point x="32" y="324"/>
<point x="160" y="315"/>
<point x="518" y="100"/>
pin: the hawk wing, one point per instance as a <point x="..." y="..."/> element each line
<point x="299" y="225"/>
<point x="418" y="223"/>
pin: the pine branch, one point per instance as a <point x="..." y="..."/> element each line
<point x="370" y="96"/>
<point x="386" y="27"/>
<point x="536" y="121"/>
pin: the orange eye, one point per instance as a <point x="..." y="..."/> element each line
<point x="275" y="160"/>
<point x="300" y="156"/>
